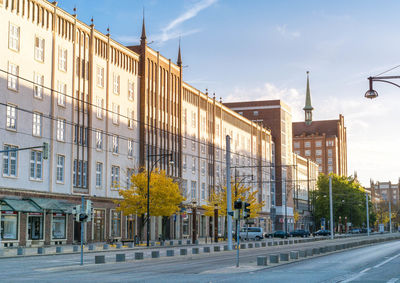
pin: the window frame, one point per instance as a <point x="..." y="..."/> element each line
<point x="11" y="119"/>
<point x="37" y="124"/>
<point x="39" y="49"/>
<point x="60" y="169"/>
<point x="35" y="162"/>
<point x="14" y="38"/>
<point x="9" y="158"/>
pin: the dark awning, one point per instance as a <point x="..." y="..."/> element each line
<point x="53" y="205"/>
<point x="21" y="205"/>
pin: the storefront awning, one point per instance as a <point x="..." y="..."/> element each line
<point x="53" y="205"/>
<point x="20" y="205"/>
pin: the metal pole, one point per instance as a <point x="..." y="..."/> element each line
<point x="237" y="241"/>
<point x="366" y="205"/>
<point x="1" y="245"/>
<point x="236" y="226"/>
<point x="390" y="217"/>
<point x="331" y="205"/>
<point x="82" y="227"/>
<point x="148" y="197"/>
<point x="228" y="190"/>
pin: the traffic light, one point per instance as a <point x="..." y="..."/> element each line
<point x="238" y="204"/>
<point x="45" y="150"/>
<point x="236" y="214"/>
<point x="88" y="210"/>
<point x="246" y="210"/>
<point x="76" y="211"/>
<point x="82" y="217"/>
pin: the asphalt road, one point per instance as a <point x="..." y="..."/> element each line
<point x="376" y="263"/>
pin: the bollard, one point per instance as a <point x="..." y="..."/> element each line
<point x="106" y="246"/>
<point x="338" y="247"/>
<point x="280" y="243"/>
<point x="183" y="252"/>
<point x="315" y="251"/>
<point x="274" y="258"/>
<point x="225" y="247"/>
<point x="284" y="256"/>
<point x="120" y="257"/>
<point x="309" y="252"/>
<point x="99" y="259"/>
<point x="263" y="244"/>
<point x="261" y="260"/>
<point x="59" y="250"/>
<point x="294" y="255"/>
<point x="41" y="250"/>
<point x="20" y="251"/>
<point x="195" y="251"/>
<point x="130" y="245"/>
<point x="250" y="245"/>
<point x="91" y="247"/>
<point x="139" y="255"/>
<point x="206" y="249"/>
<point x="75" y="248"/>
<point x="155" y="254"/>
<point x="243" y="246"/>
<point x="170" y="252"/>
<point x="275" y="243"/>
<point x="322" y="250"/>
<point x="217" y="248"/>
<point x="119" y="246"/>
<point x="270" y="244"/>
<point x="257" y="245"/>
<point x="302" y="253"/>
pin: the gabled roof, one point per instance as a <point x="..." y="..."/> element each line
<point x="327" y="127"/>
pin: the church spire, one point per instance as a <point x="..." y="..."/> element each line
<point x="308" y="108"/>
<point x="179" y="61"/>
<point x="143" y="37"/>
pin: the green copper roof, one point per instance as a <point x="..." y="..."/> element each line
<point x="308" y="96"/>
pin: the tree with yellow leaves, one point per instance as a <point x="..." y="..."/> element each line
<point x="165" y="197"/>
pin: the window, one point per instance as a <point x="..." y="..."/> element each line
<point x="131" y="93"/>
<point x="193" y="119"/>
<point x="318" y="152"/>
<point x="203" y="190"/>
<point x="116" y="79"/>
<point x="194" y="188"/>
<point x="35" y="226"/>
<point x="80" y="174"/>
<point x="36" y="165"/>
<point x="62" y="59"/>
<point x="11" y="121"/>
<point x="100" y="76"/>
<point x="13" y="37"/>
<point x="38" y="86"/>
<point x="184" y="188"/>
<point x="10" y="161"/>
<point x="318" y="143"/>
<point x="115" y="114"/>
<point x="329" y="152"/>
<point x="9" y="225"/>
<point x="60" y="168"/>
<point x="115" y="144"/>
<point x="203" y="167"/>
<point x="308" y="152"/>
<point x="319" y="160"/>
<point x="114" y="177"/>
<point x="129" y="173"/>
<point x="99" y="174"/>
<point x="81" y="134"/>
<point x="330" y="143"/>
<point x="60" y="129"/>
<point x="116" y="224"/>
<point x="296" y="144"/>
<point x="37" y="124"/>
<point x="39" y="49"/>
<point x="99" y="140"/>
<point x="61" y="92"/>
<point x="194" y="165"/>
<point x="193" y="144"/>
<point x="12" y="77"/>
<point x="131" y="115"/>
<point x="307" y="144"/>
<point x="184" y="162"/>
<point x="58" y="226"/>
<point x="330" y="161"/>
<point x="99" y="108"/>
<point x="130" y="148"/>
<point x="255" y="113"/>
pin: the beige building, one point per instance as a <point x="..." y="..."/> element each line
<point x="385" y="191"/>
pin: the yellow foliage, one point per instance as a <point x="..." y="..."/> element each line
<point x="165" y="196"/>
<point x="296" y="216"/>
<point x="244" y="193"/>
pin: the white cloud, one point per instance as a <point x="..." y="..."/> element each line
<point x="283" y="31"/>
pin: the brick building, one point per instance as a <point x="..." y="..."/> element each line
<point x="385" y="191"/>
<point x="324" y="141"/>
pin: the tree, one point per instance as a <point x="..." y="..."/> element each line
<point x="165" y="197"/>
<point x="348" y="199"/>
<point x="219" y="198"/>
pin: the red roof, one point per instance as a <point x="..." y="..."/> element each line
<point x="328" y="127"/>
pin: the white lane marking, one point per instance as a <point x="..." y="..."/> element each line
<point x="356" y="276"/>
<point x="365" y="270"/>
<point x="386" y="261"/>
<point x="393" y="280"/>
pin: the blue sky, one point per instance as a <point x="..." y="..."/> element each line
<point x="248" y="50"/>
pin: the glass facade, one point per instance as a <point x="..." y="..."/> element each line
<point x="58" y="226"/>
<point x="9" y="225"/>
<point x="35" y="226"/>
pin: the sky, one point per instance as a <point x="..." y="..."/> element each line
<point x="259" y="49"/>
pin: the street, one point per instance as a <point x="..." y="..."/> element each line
<point x="375" y="263"/>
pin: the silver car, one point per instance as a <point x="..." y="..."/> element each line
<point x="251" y="233"/>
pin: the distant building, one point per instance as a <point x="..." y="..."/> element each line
<point x="324" y="142"/>
<point x="277" y="116"/>
<point x="385" y="191"/>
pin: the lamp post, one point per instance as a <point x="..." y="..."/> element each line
<point x="216" y="223"/>
<point x="371" y="93"/>
<point x="194" y="224"/>
<point x="149" y="170"/>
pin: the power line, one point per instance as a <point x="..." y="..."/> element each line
<point x="387" y="71"/>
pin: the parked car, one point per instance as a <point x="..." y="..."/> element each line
<point x="299" y="233"/>
<point x="322" y="233"/>
<point x="364" y="230"/>
<point x="356" y="231"/>
<point x="278" y="234"/>
<point x="256" y="233"/>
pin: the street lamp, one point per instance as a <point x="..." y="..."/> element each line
<point x="194" y="224"/>
<point x="149" y="170"/>
<point x="371" y="93"/>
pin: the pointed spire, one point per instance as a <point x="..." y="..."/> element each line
<point x="179" y="61"/>
<point x="308" y="108"/>
<point x="143" y="36"/>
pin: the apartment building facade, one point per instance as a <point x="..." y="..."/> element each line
<point x="101" y="107"/>
<point x="385" y="191"/>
